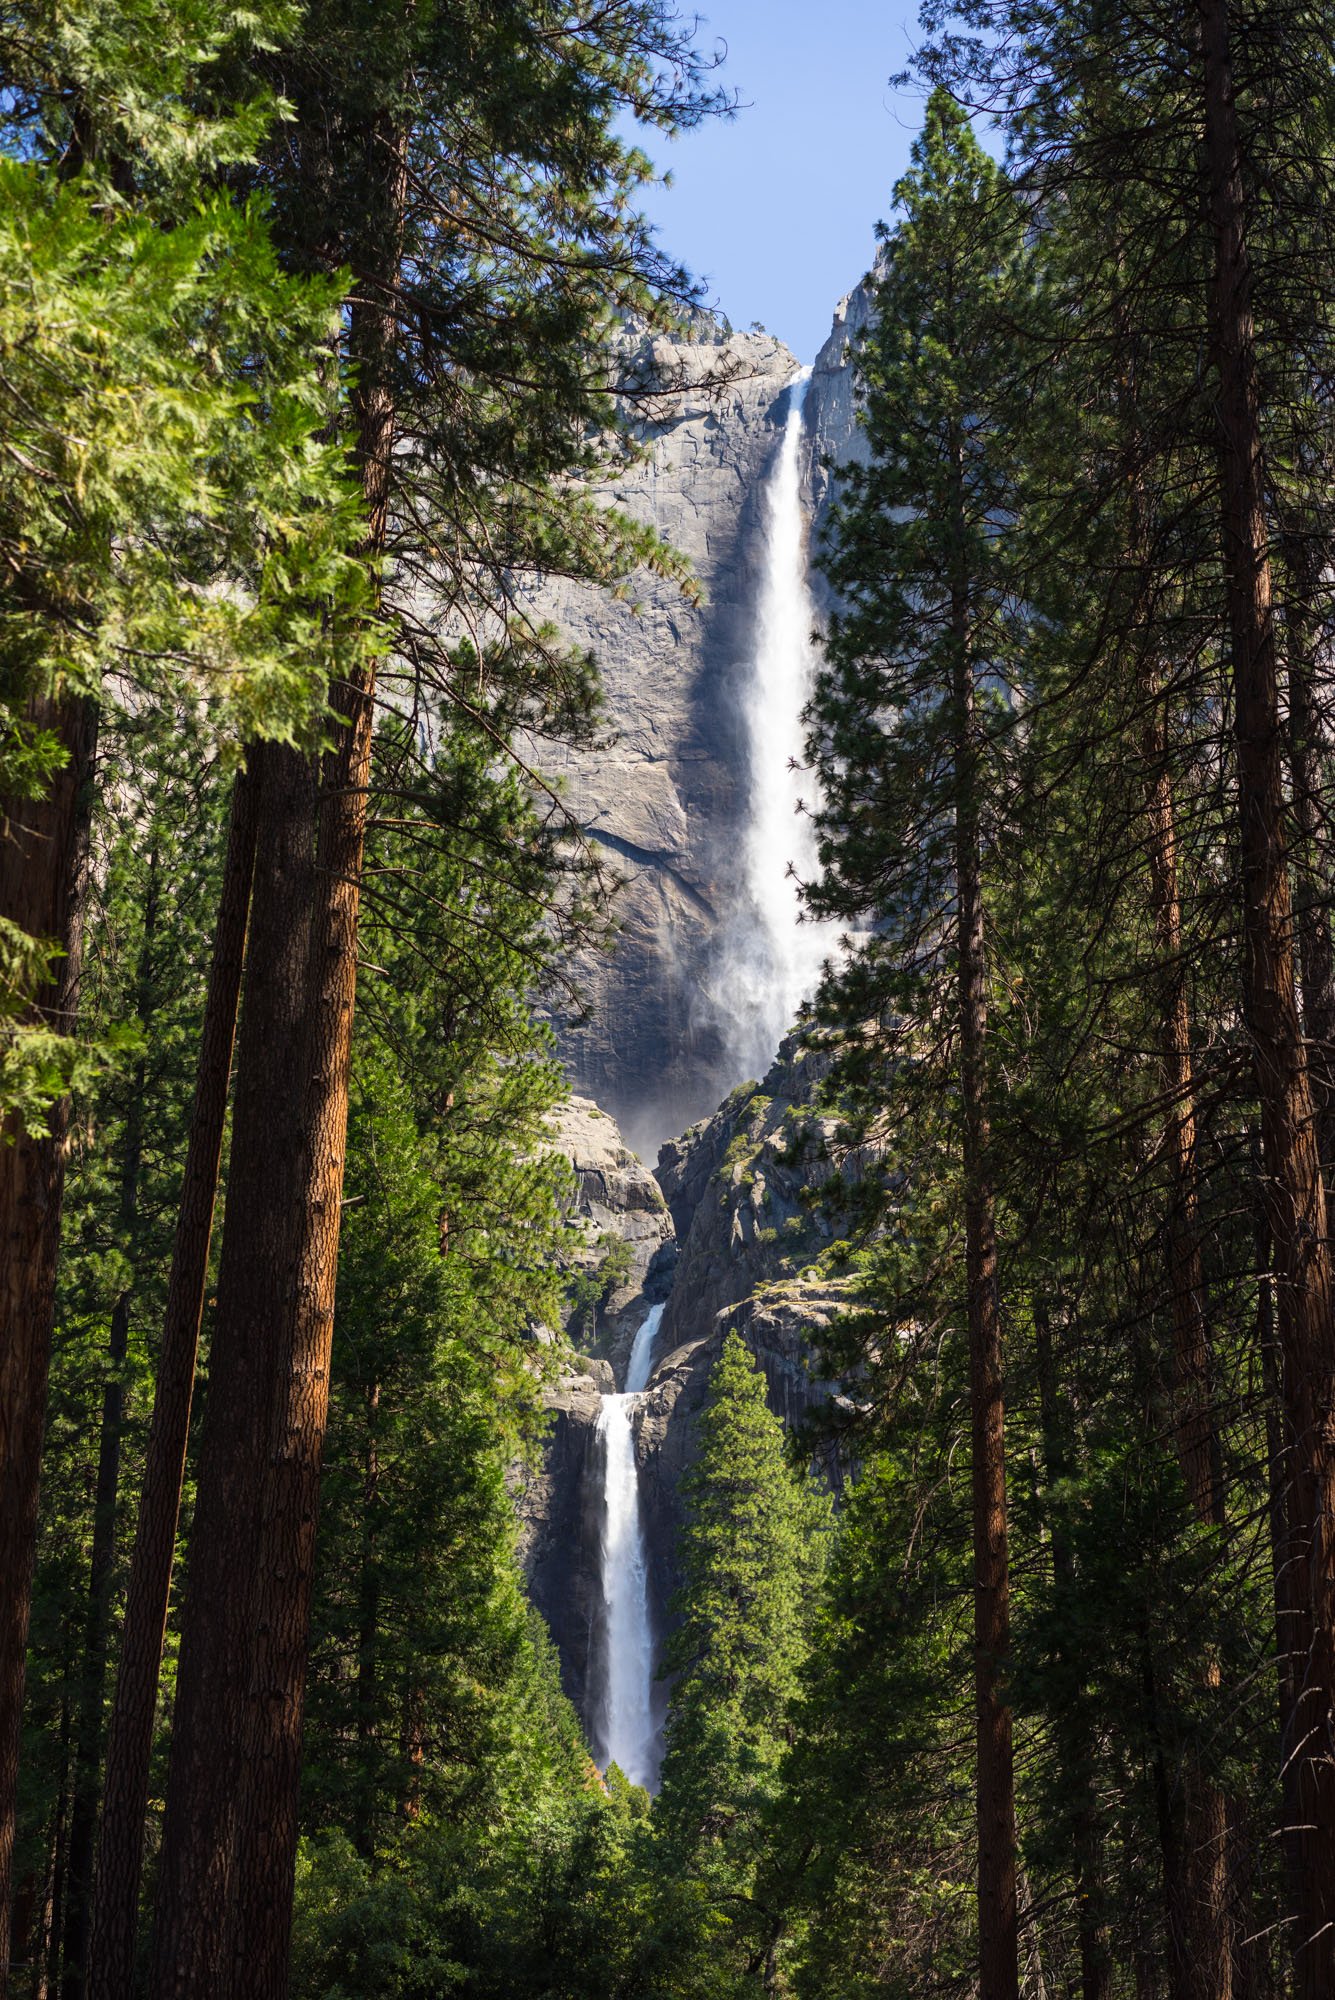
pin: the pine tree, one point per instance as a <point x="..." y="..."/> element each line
<point x="451" y="1259"/>
<point x="165" y="488"/>
<point x="403" y="124"/>
<point x="869" y="1846"/>
<point x="750" y="1553"/>
<point x="1212" y="132"/>
<point x="155" y="840"/>
<point x="130" y="1728"/>
<point x="909" y="728"/>
<point x="452" y="1816"/>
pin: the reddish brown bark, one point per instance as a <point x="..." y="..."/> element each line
<point x="368" y="1621"/>
<point x="43" y="858"/>
<point x="1292" y="1180"/>
<point x="998" y="1919"/>
<point x="1316" y="958"/>
<point x="255" y="1288"/>
<point x="284" y="1566"/>
<point x="87" y="1759"/>
<point x="1074" y="1736"/>
<point x="224" y="1915"/>
<point x="1194" y="1430"/>
<point x="46" y="1948"/>
<point x="1199" y="1891"/>
<point x="1290" y="1618"/>
<point x="130" y="1730"/>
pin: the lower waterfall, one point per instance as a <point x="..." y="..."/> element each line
<point x="629" y="1733"/>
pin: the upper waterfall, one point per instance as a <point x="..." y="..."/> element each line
<point x="771" y="958"/>
<point x="671" y="793"/>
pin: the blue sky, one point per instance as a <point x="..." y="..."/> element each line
<point x="776" y="208"/>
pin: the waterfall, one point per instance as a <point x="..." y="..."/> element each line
<point x="629" y="1731"/>
<point x="772" y="959"/>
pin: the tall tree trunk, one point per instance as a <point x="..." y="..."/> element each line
<point x="1088" y="1865"/>
<point x="1173" y="1858"/>
<point x="43" y="1928"/>
<point x="368" y="1629"/>
<point x="1248" y="1838"/>
<point x="1143" y="1967"/>
<point x="1290" y="1618"/>
<point x="255" y="1289"/>
<point x="412" y="1754"/>
<point x="1195" y="1437"/>
<point x="49" y="1974"/>
<point x="1172" y="1927"/>
<point x="27" y="1923"/>
<point x="225" y="1905"/>
<point x="88" y="1742"/>
<point x="88" y="1746"/>
<point x="1293" y="1183"/>
<point x="285" y="1561"/>
<point x="1316" y="958"/>
<point x="130" y="1731"/>
<point x="1200" y="1927"/>
<point x="998" y="1922"/>
<point x="43" y="863"/>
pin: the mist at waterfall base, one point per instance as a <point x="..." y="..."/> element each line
<point x="629" y="1733"/>
<point x="770" y="959"/>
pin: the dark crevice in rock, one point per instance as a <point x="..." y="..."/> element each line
<point x="650" y="857"/>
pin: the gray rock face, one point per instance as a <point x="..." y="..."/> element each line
<point x="739" y="1187"/>
<point x="728" y="1210"/>
<point x="559" y="1500"/>
<point x="666" y="800"/>
<point x="833" y="436"/>
<point x="617" y="1200"/>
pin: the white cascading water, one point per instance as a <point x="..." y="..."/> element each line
<point x="772" y="959"/>
<point x="770" y="964"/>
<point x="630" y="1736"/>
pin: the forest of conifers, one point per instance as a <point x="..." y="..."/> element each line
<point x="319" y="327"/>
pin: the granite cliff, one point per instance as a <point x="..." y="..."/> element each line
<point x="665" y="799"/>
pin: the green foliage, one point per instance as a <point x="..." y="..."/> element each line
<point x="870" y="1849"/>
<point x="38" y="1066"/>
<point x="1012" y="360"/>
<point x="157" y="845"/>
<point x="751" y="1552"/>
<point x="176" y="523"/>
<point x="182" y="187"/>
<point x="109" y="84"/>
<point x="459" y="1839"/>
<point x="167" y="513"/>
<point x="590" y="1291"/>
<point x="921" y="550"/>
<point x="524" y="260"/>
